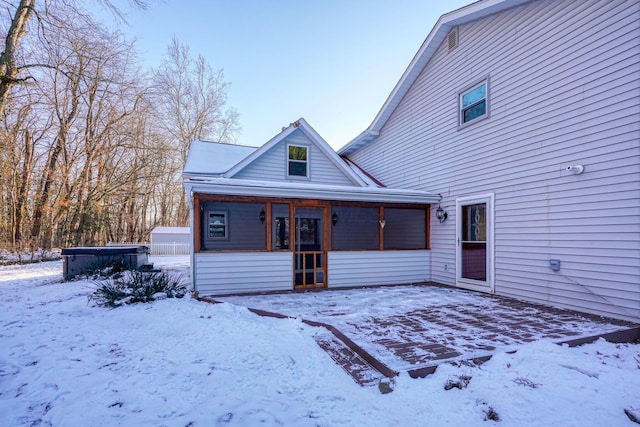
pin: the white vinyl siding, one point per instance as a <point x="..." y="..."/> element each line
<point x="366" y="268"/>
<point x="238" y="272"/>
<point x="273" y="165"/>
<point x="565" y="80"/>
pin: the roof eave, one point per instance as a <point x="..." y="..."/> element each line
<point x="236" y="187"/>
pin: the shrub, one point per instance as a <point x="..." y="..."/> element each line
<point x="138" y="286"/>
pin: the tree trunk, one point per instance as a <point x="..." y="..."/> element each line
<point x="22" y="192"/>
<point x="8" y="69"/>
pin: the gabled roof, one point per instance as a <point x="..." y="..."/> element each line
<point x="207" y="170"/>
<point x="445" y="24"/>
<point x="214" y="158"/>
<point x="314" y="137"/>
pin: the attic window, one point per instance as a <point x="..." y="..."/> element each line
<point x="298" y="160"/>
<point x="452" y="39"/>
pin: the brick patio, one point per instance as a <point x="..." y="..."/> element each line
<point x="415" y="340"/>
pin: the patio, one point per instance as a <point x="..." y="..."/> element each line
<point x="378" y="332"/>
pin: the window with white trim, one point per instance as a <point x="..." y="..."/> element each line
<point x="474" y="103"/>
<point x="218" y="225"/>
<point x="297" y="161"/>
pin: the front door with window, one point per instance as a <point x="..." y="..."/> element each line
<point x="474" y="243"/>
<point x="309" y="248"/>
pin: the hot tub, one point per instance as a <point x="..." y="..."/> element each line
<point x="81" y="260"/>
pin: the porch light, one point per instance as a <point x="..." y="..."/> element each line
<point x="262" y="215"/>
<point x="441" y="214"/>
<point x="382" y="223"/>
<point x="334" y="218"/>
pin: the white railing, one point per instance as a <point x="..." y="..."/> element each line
<point x="171" y="248"/>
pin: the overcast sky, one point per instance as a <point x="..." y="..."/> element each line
<point x="333" y="62"/>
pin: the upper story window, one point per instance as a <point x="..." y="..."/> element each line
<point x="298" y="161"/>
<point x="474" y="103"/>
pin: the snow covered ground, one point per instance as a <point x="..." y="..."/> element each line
<point x="376" y="319"/>
<point x="66" y="362"/>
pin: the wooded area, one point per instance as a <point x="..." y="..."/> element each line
<point x="92" y="145"/>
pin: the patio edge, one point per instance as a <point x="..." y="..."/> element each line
<point x="630" y="335"/>
<point x="372" y="361"/>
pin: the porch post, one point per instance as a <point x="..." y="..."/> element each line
<point x="269" y="224"/>
<point x="197" y="224"/>
<point x="380" y="228"/>
<point x="427" y="227"/>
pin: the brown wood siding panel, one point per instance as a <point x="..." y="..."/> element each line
<point x="197" y="225"/>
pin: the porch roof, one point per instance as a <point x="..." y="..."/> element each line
<point x="214" y="158"/>
<point x="237" y="187"/>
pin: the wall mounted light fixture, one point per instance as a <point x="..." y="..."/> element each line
<point x="262" y="216"/>
<point x="382" y="223"/>
<point x="334" y="218"/>
<point x="441" y="214"/>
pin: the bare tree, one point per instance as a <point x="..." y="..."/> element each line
<point x="192" y="104"/>
<point x="92" y="148"/>
<point x="12" y="72"/>
<point x="9" y="70"/>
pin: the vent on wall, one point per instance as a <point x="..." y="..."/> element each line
<point x="452" y="39"/>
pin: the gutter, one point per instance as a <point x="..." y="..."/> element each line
<point x="236" y="187"/>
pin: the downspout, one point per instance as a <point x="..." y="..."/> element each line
<point x="192" y="257"/>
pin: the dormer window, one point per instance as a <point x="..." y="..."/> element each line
<point x="298" y="161"/>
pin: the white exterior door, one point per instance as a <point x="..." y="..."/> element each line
<point x="474" y="243"/>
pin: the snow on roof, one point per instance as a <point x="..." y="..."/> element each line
<point x="245" y="187"/>
<point x="214" y="158"/>
<point x="171" y="230"/>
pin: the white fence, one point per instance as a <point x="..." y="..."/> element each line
<point x="171" y="248"/>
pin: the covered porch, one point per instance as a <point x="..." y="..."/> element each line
<point x="277" y="239"/>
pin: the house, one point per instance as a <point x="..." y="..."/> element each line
<point x="506" y="160"/>
<point x="292" y="214"/>
<point x="525" y="117"/>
